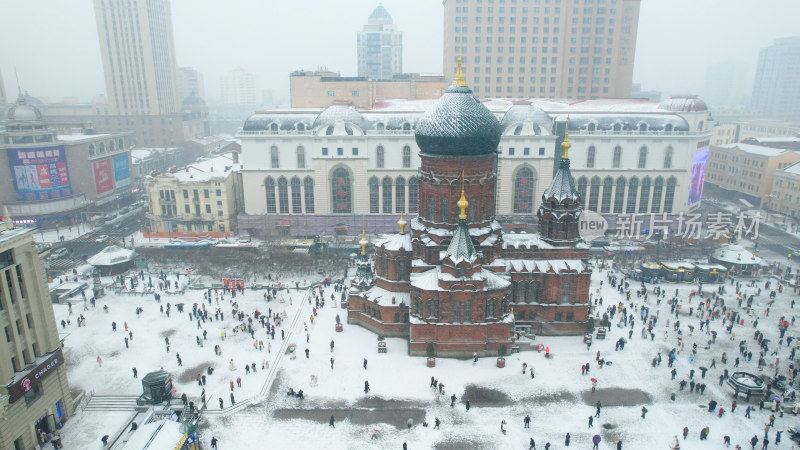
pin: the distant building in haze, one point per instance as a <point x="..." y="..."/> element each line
<point x="775" y="91"/>
<point x="726" y="84"/>
<point x="138" y="56"/>
<point x="380" y="47"/>
<point x="3" y="98"/>
<point x="542" y="49"/>
<point x="190" y="81"/>
<point x="239" y="87"/>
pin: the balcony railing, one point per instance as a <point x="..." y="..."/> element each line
<point x="638" y="133"/>
<point x="275" y="133"/>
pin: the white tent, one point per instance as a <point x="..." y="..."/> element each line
<point x="112" y="259"/>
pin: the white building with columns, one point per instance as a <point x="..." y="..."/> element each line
<point x="316" y="171"/>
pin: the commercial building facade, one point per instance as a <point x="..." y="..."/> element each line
<point x="321" y="89"/>
<point x="747" y="169"/>
<point x="542" y="49"/>
<point x="37" y="399"/>
<point x="785" y="195"/>
<point x="319" y="169"/>
<point x="49" y="179"/>
<point x="204" y="198"/>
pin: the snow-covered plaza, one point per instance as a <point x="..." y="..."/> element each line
<point x="558" y="399"/>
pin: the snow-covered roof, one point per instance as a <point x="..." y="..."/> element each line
<point x="677" y="265"/>
<point x="793" y="169"/>
<point x="82" y="137"/>
<point x="429" y="281"/>
<point x="543" y="265"/>
<point x="111" y="255"/>
<point x="525" y="240"/>
<point x="735" y="254"/>
<point x="395" y="242"/>
<point x="217" y="167"/>
<point x="384" y="296"/>
<point x="755" y="149"/>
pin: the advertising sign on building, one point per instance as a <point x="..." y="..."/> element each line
<point x="122" y="171"/>
<point x="102" y="176"/>
<point x="27" y="380"/>
<point x="39" y="173"/>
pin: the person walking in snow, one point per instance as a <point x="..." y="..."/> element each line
<point x="366" y="387"/>
<point x="566" y="440"/>
<point x="591" y="421"/>
<point x="527" y="421"/>
<point x="330" y="423"/>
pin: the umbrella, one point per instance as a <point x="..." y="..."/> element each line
<point x="593" y="380"/>
<point x="777" y="399"/>
<point x="596" y="439"/>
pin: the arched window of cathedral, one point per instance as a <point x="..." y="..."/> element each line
<point x="274" y="157"/>
<point x="387" y="195"/>
<point x="633" y="194"/>
<point x="642" y="157"/>
<point x="283" y="195"/>
<point x="374" y="207"/>
<point x="431" y="208"/>
<point x="524" y="185"/>
<point x="397" y="317"/>
<point x="473" y="208"/>
<point x="668" y="158"/>
<point x="521" y="291"/>
<point x="658" y="188"/>
<point x="619" y="196"/>
<point x="301" y="157"/>
<point x="533" y="292"/>
<point x="644" y="197"/>
<point x="484" y="214"/>
<point x="456" y="312"/>
<point x="468" y="311"/>
<point x="413" y="195"/>
<point x="608" y="186"/>
<point x="380" y="156"/>
<point x="385" y="266"/>
<point x="590" y="156"/>
<point x="490" y="308"/>
<point x="582" y="184"/>
<point x="269" y="188"/>
<point x="445" y="212"/>
<point x="297" y="207"/>
<point x="505" y="304"/>
<point x="617" y="157"/>
<point x="309" y="194"/>
<point x="594" y="193"/>
<point x="399" y="194"/>
<point x="669" y="196"/>
<point x="341" y="191"/>
<point x="565" y="293"/>
<point x="432" y="309"/>
<point x="406" y="157"/>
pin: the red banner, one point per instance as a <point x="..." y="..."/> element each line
<point x="102" y="176"/>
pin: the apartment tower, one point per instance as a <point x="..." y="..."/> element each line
<point x="576" y="49"/>
<point x="138" y="56"/>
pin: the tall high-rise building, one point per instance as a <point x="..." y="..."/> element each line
<point x="138" y="56"/>
<point x="190" y="81"/>
<point x="542" y="49"/>
<point x="239" y="87"/>
<point x="776" y="91"/>
<point x="380" y="47"/>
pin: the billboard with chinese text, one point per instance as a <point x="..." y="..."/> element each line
<point x="102" y="176"/>
<point x="122" y="171"/>
<point x="39" y="173"/>
<point x="698" y="175"/>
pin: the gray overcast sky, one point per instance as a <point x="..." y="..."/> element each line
<point x="53" y="43"/>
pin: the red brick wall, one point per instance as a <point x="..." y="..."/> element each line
<point x="441" y="177"/>
<point x="459" y="340"/>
